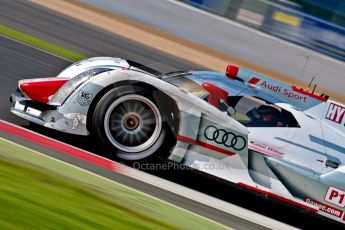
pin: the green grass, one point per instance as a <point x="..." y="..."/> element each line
<point x="41" y="44"/>
<point x="37" y="192"/>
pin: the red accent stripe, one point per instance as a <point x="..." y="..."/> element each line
<point x="309" y="94"/>
<point x="286" y="200"/>
<point x="254" y="80"/>
<point x="204" y="144"/>
<point x="186" y="139"/>
<point x="58" y="146"/>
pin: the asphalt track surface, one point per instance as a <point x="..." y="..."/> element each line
<point x="18" y="61"/>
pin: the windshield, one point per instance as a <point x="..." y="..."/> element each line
<point x="182" y="82"/>
<point x="255" y="112"/>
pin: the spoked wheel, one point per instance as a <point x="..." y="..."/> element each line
<point x="129" y="121"/>
<point x="133" y="123"/>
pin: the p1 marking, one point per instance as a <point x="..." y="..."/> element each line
<point x="335" y="196"/>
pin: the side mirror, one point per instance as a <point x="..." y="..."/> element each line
<point x="215" y="94"/>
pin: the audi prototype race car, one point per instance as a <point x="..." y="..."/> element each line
<point x="255" y="132"/>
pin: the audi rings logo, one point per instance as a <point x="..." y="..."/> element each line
<point x="228" y="139"/>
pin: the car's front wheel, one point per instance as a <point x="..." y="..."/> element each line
<point x="129" y="120"/>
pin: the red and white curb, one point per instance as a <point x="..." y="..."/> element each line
<point x="141" y="176"/>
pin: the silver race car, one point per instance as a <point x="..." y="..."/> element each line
<point x="263" y="135"/>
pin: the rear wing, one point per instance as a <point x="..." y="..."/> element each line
<point x="293" y="95"/>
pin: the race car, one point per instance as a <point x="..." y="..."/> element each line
<point x="245" y="128"/>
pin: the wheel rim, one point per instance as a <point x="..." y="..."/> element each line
<point x="133" y="123"/>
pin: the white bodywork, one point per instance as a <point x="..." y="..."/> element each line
<point x="288" y="163"/>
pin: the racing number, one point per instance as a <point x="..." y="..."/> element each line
<point x="335" y="196"/>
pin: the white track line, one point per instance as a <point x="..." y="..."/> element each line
<point x="36" y="48"/>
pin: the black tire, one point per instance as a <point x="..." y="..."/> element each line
<point x="108" y="116"/>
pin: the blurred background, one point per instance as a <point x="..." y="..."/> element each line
<point x="317" y="24"/>
<point x="276" y="35"/>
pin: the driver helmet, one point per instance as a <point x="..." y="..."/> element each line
<point x="267" y="113"/>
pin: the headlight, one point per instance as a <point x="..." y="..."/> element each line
<point x="62" y="94"/>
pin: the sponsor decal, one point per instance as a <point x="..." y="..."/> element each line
<point x="33" y="112"/>
<point x="336" y="113"/>
<point x="19" y="106"/>
<point x="84" y="98"/>
<point x="286" y="19"/>
<point x="324" y="207"/>
<point x="266" y="149"/>
<point x="284" y="91"/>
<point x="74" y="119"/>
<point x="250" y="17"/>
<point x="335" y="196"/>
<point x="228" y="139"/>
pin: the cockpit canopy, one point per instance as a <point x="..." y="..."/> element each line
<point x="251" y="111"/>
<point x="255" y="112"/>
<point x="180" y="80"/>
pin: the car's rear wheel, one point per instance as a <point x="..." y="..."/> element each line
<point x="130" y="122"/>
